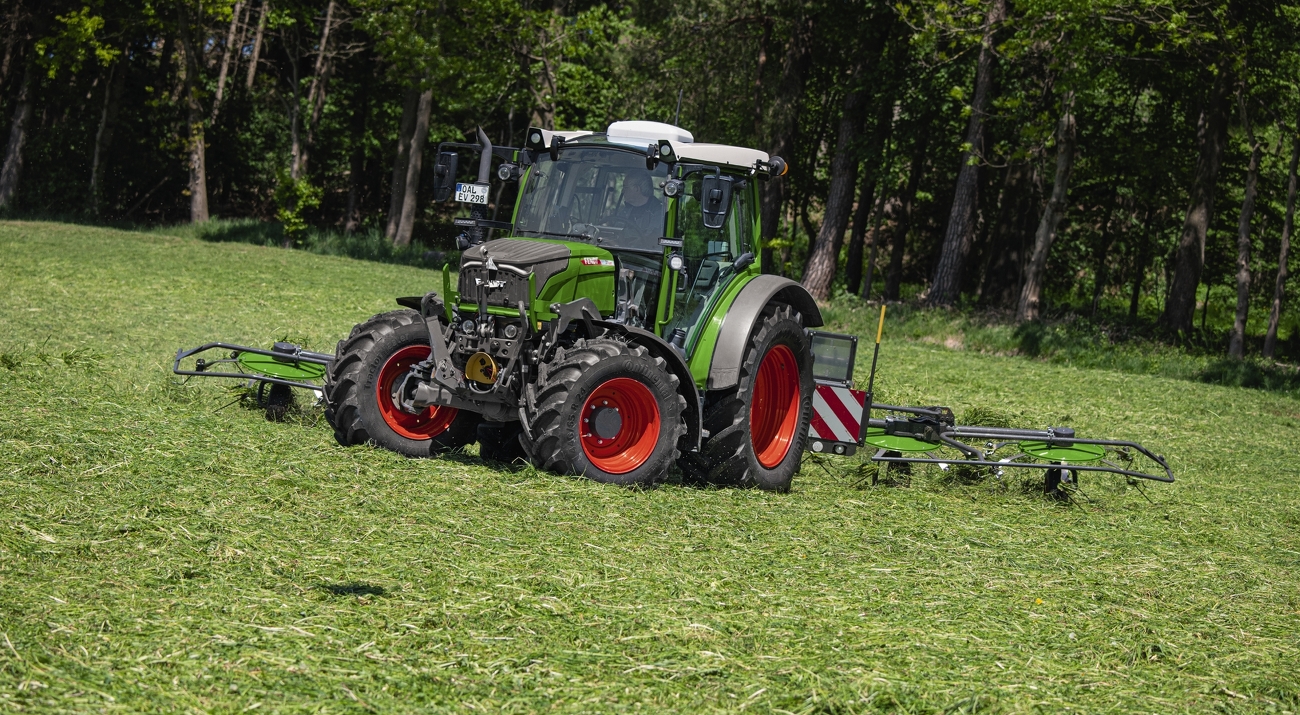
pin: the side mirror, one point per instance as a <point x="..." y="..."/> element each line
<point x="444" y="175"/>
<point x="715" y="199"/>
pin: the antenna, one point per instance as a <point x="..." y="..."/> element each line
<point x="871" y="381"/>
<point x="678" y="114"/>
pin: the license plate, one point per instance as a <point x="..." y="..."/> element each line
<point x="472" y="193"/>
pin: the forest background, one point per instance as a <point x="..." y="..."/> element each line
<point x="1122" y="161"/>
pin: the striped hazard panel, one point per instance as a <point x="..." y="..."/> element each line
<point x="837" y="414"/>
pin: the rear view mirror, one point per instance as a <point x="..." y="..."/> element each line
<point x="444" y="175"/>
<point x="715" y="199"/>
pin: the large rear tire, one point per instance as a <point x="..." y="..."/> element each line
<point x="358" y="389"/>
<point x="757" y="430"/>
<point x="607" y="410"/>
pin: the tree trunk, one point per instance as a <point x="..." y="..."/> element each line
<point x="1139" y="269"/>
<point x="946" y="286"/>
<point x="316" y="93"/>
<point x="824" y="256"/>
<point x="412" y="185"/>
<point x="11" y="41"/>
<point x="858" y="234"/>
<point x="357" y="161"/>
<point x="1237" y="341"/>
<point x="894" y="279"/>
<point x="104" y="134"/>
<point x="226" y="54"/>
<point x="1189" y="257"/>
<point x="1002" y="278"/>
<point x="257" y="43"/>
<point x="783" y="123"/>
<point x="1101" y="274"/>
<point x="404" y="133"/>
<point x="198" y="182"/>
<point x="1279" y="289"/>
<point x="13" y="166"/>
<point x="1031" y="292"/>
<point x="880" y="135"/>
<point x="875" y="243"/>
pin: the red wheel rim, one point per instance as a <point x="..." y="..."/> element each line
<point x="430" y="423"/>
<point x="774" y="409"/>
<point x="638" y="426"/>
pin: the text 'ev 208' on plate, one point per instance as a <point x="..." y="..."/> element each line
<point x="472" y="193"/>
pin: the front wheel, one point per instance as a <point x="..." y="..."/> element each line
<point x="757" y="431"/>
<point x="607" y="410"/>
<point x="359" y="390"/>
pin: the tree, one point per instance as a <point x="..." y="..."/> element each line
<point x="946" y="285"/>
<point x="1237" y="341"/>
<point x="1288" y="224"/>
<point x="1031" y="294"/>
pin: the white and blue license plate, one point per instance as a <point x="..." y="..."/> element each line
<point x="472" y="193"/>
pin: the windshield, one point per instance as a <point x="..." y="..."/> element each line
<point x="597" y="194"/>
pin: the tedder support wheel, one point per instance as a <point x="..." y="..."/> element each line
<point x="605" y="409"/>
<point x="757" y="430"/>
<point x="359" y="386"/>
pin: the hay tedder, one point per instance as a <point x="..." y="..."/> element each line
<point x="620" y="326"/>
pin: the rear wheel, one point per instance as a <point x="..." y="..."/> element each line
<point x="757" y="430"/>
<point x="607" y="410"/>
<point x="359" y="389"/>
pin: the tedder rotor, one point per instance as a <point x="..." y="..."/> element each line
<point x="617" y="325"/>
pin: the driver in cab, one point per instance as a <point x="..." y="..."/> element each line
<point x="641" y="214"/>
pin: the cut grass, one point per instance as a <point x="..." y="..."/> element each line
<point x="162" y="549"/>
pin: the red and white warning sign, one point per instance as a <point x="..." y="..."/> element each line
<point x="837" y="414"/>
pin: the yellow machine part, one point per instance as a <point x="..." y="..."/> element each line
<point x="481" y="368"/>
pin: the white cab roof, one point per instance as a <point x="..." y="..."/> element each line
<point x="719" y="154"/>
<point x="643" y="133"/>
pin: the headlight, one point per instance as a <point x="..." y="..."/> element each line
<point x="676" y="262"/>
<point x="467" y="327"/>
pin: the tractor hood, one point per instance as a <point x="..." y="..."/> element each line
<point x="498" y="270"/>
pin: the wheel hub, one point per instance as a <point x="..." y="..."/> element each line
<point x="606" y="422"/>
<point x="620" y="425"/>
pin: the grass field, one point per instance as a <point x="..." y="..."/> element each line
<point x="163" y="548"/>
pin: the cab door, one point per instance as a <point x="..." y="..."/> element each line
<point x="710" y="256"/>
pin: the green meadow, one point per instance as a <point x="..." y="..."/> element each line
<point x="165" y="548"/>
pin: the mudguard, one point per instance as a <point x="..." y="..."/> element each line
<point x="738" y="323"/>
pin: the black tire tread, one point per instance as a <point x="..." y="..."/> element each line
<point x="543" y="439"/>
<point x="343" y="379"/>
<point x="724" y="457"/>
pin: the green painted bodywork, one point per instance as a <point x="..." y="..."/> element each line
<point x="575" y="281"/>
<point x="876" y="437"/>
<point x="285" y="368"/>
<point x="1076" y="453"/>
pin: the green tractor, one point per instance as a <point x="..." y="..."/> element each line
<point x="618" y="326"/>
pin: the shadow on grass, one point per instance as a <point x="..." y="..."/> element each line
<point x="354" y="589"/>
<point x="1253" y="374"/>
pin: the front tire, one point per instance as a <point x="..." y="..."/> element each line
<point x="757" y="432"/>
<point x="607" y="410"/>
<point x="359" y="386"/>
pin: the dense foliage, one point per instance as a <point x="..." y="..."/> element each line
<point x="1131" y="158"/>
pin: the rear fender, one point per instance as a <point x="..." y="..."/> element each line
<point x="743" y="314"/>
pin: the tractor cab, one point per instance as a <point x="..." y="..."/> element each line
<point x="678" y="217"/>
